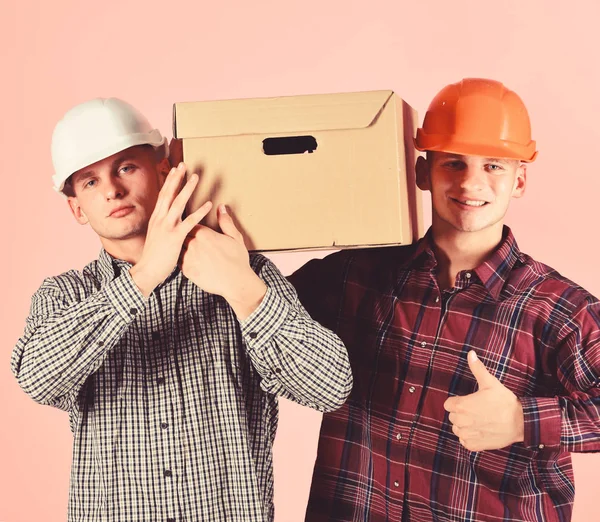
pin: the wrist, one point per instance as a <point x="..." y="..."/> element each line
<point x="519" y="422"/>
<point x="142" y="279"/>
<point x="247" y="295"/>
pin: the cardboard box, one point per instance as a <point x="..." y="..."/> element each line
<point x="306" y="172"/>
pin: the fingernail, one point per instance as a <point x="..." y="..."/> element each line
<point x="181" y="165"/>
<point x="223" y="209"/>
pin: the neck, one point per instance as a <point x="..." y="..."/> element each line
<point x="129" y="250"/>
<point x="456" y="251"/>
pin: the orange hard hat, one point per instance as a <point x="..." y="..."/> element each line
<point x="477" y="117"/>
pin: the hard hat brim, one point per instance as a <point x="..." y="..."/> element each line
<point x="152" y="138"/>
<point x="504" y="150"/>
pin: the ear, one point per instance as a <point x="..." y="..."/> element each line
<point x="163" y="169"/>
<point x="520" y="181"/>
<point x="422" y="169"/>
<point x="176" y="151"/>
<point x="76" y="210"/>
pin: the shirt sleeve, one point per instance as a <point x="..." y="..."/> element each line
<point x="571" y="421"/>
<point x="296" y="357"/>
<point x="67" y="337"/>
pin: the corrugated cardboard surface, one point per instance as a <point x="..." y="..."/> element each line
<point x="356" y="189"/>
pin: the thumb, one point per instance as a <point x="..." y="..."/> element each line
<point x="484" y="378"/>
<point x="228" y="226"/>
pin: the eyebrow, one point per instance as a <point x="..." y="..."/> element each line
<point x="505" y="161"/>
<point x="461" y="157"/>
<point x="117" y="161"/>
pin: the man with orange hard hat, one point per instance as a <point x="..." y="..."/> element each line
<point x="476" y="368"/>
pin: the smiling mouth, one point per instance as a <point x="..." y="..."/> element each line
<point x="470" y="202"/>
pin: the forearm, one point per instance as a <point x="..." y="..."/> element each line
<point x="295" y="356"/>
<point x="64" y="343"/>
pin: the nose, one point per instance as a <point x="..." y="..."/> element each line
<point x="471" y="179"/>
<point x="113" y="188"/>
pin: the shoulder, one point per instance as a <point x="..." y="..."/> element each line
<point x="73" y="284"/>
<point x="366" y="266"/>
<point x="543" y="281"/>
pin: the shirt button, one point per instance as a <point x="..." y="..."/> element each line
<point x="155" y="336"/>
<point x="396" y="483"/>
<point x="278" y="370"/>
<point x="100" y="343"/>
<point x="411" y="389"/>
<point x="399" y="436"/>
<point x="168" y="473"/>
<point x="164" y="425"/>
<point x="170" y="520"/>
<point x="437" y="299"/>
<point x="541" y="446"/>
<point x="253" y="335"/>
<point x="423" y="344"/>
<point x="160" y="380"/>
<point x="133" y="311"/>
<point x="468" y="275"/>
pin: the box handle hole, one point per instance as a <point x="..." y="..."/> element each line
<point x="289" y="145"/>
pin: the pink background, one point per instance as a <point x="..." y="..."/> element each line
<point x="56" y="54"/>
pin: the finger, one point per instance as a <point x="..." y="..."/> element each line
<point x="195" y="230"/>
<point x="454" y="418"/>
<point x="195" y="217"/>
<point x="465" y="443"/>
<point x="170" y="188"/>
<point x="484" y="378"/>
<point x="180" y="201"/>
<point x="461" y="420"/>
<point x="451" y="404"/>
<point x="228" y="226"/>
<point x="161" y="195"/>
<point x="471" y="444"/>
<point x="470" y="433"/>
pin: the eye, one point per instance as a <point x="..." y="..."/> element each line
<point x="90" y="183"/>
<point x="127" y="169"/>
<point x="453" y="165"/>
<point x="494" y="167"/>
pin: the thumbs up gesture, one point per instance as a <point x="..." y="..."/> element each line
<point x="491" y="418"/>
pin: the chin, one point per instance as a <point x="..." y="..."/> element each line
<point x="475" y="227"/>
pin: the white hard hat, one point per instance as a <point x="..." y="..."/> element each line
<point x="95" y="130"/>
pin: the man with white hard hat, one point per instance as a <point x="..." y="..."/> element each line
<point x="169" y="350"/>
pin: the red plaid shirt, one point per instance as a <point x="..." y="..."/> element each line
<point x="389" y="453"/>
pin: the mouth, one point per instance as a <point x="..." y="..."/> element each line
<point x="121" y="211"/>
<point x="470" y="203"/>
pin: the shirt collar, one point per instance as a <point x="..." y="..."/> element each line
<point x="496" y="269"/>
<point x="111" y="267"/>
<point x="493" y="272"/>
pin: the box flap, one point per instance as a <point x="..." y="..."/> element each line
<point x="284" y="115"/>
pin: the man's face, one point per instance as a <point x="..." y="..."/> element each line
<point x="470" y="193"/>
<point x="117" y="195"/>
